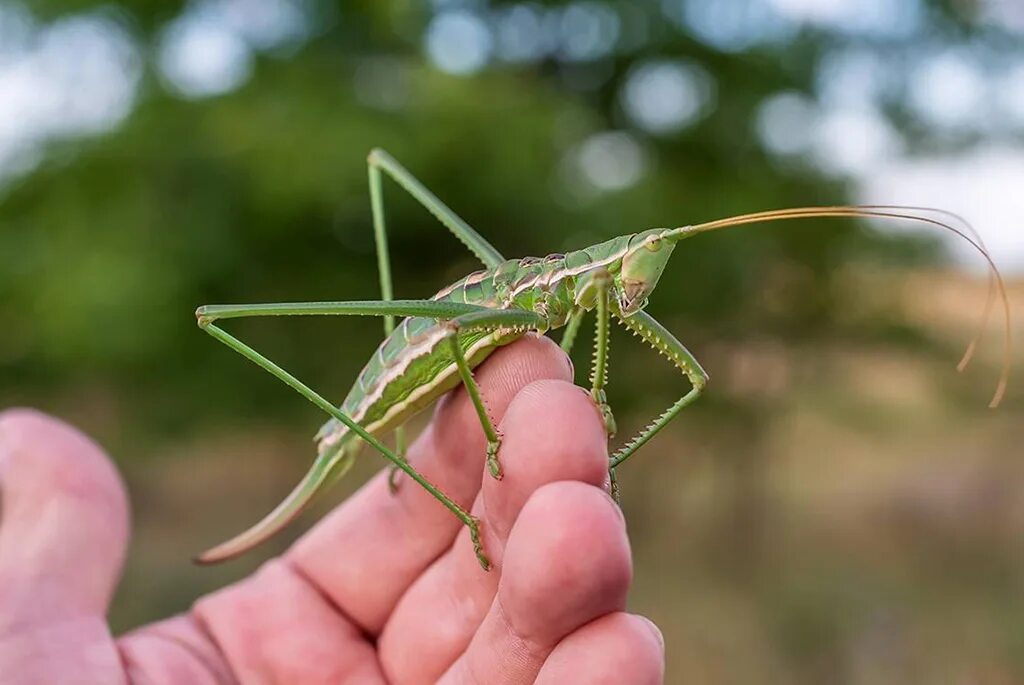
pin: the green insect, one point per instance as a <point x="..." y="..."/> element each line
<point x="440" y="340"/>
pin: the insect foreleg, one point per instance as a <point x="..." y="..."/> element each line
<point x="498" y="318"/>
<point x="321" y="470"/>
<point x="658" y="337"/>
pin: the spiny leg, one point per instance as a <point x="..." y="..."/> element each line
<point x="661" y="339"/>
<point x="377" y="161"/>
<point x="323" y="466"/>
<point x="502" y="318"/>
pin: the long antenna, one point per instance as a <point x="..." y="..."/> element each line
<point x="901" y="213"/>
<point x="990" y="295"/>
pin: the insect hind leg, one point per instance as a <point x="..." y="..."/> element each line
<point x="377" y="161"/>
<point x="326" y="465"/>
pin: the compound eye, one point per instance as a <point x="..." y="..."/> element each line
<point x="653" y="243"/>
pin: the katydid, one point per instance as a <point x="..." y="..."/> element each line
<point x="441" y="340"/>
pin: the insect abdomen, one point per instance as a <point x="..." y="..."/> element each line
<point x="413" y="366"/>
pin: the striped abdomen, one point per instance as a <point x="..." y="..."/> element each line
<point x="414" y="366"/>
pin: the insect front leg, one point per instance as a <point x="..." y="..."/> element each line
<point x="658" y="337"/>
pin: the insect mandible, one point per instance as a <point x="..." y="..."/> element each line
<point x="441" y="340"/>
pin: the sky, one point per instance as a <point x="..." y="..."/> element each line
<point x="79" y="76"/>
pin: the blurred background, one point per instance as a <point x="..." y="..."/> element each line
<point x="840" y="507"/>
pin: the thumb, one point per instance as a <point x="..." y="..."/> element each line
<point x="63" y="522"/>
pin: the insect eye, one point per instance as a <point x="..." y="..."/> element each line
<point x="653" y="243"/>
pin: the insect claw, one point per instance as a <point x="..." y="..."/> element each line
<point x="601" y="400"/>
<point x="614" y="486"/>
<point x="493" y="465"/>
<point x="393" y="474"/>
<point x="478" y="548"/>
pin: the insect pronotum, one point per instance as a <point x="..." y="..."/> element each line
<point x="440" y="340"/>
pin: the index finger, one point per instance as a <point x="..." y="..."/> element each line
<point x="367" y="552"/>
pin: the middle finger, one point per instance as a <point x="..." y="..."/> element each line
<point x="552" y="432"/>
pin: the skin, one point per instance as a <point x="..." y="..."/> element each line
<point x="385" y="589"/>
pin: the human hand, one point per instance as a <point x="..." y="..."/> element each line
<point x="385" y="589"/>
